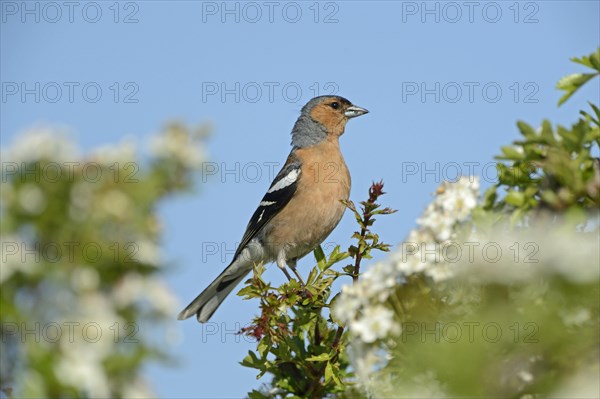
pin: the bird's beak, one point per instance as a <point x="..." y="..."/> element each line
<point x="353" y="111"/>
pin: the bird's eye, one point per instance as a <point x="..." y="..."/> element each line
<point x="335" y="105"/>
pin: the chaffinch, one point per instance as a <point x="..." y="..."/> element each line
<point x="301" y="207"/>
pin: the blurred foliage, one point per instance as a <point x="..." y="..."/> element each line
<point x="81" y="267"/>
<point x="499" y="333"/>
<point x="300" y="344"/>
<point x="571" y="83"/>
<point x="552" y="169"/>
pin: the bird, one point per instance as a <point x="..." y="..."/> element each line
<point x="301" y="207"/>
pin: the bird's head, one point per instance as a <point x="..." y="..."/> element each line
<point x="323" y="117"/>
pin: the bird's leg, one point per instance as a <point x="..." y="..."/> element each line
<point x="282" y="266"/>
<point x="281" y="262"/>
<point x="292" y="264"/>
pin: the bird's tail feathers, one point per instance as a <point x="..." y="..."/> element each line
<point x="211" y="298"/>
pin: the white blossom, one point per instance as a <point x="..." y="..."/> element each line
<point x="138" y="389"/>
<point x="41" y="143"/>
<point x="116" y="203"/>
<point x="344" y="310"/>
<point x="120" y="154"/>
<point x="32" y="199"/>
<point x="365" y="360"/>
<point x="134" y="287"/>
<point x="584" y="384"/>
<point x="349" y="304"/>
<point x="575" y="317"/>
<point x="81" y="317"/>
<point x="177" y="144"/>
<point x="361" y="305"/>
<point x="452" y="205"/>
<point x="16" y="257"/>
<point x="81" y="366"/>
<point x="147" y="252"/>
<point x="379" y="279"/>
<point x="365" y="306"/>
<point x="85" y="279"/>
<point x="439" y="223"/>
<point x="81" y="198"/>
<point x="376" y="322"/>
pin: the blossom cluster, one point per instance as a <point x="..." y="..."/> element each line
<point x="554" y="290"/>
<point x="361" y="304"/>
<point x="438" y="225"/>
<point x="81" y="266"/>
<point x="365" y="306"/>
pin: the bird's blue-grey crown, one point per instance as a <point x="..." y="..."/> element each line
<point x="307" y="131"/>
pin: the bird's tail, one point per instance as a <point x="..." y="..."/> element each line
<point x="211" y="298"/>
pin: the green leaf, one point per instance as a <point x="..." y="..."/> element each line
<point x="257" y="395"/>
<point x="312" y="276"/>
<point x="547" y="133"/>
<point x="591" y="61"/>
<point x="595" y="119"/>
<point x="319" y="358"/>
<point x="328" y="372"/>
<point x="335" y="256"/>
<point x="352" y="250"/>
<point x="571" y="83"/>
<point x="596" y="109"/>
<point x="515" y="198"/>
<point x="335" y="376"/>
<point x="320" y="257"/>
<point x="248" y="292"/>
<point x="251" y="361"/>
<point x="526" y="130"/>
<point x="285" y="385"/>
<point x="517" y="216"/>
<point x="263" y="347"/>
<point x="489" y="197"/>
<point x="512" y="153"/>
<point x="551" y="198"/>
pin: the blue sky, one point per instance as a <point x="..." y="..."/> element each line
<point x="445" y="83"/>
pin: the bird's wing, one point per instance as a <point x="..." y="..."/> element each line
<point x="278" y="195"/>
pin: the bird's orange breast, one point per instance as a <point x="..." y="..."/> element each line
<point x="315" y="210"/>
